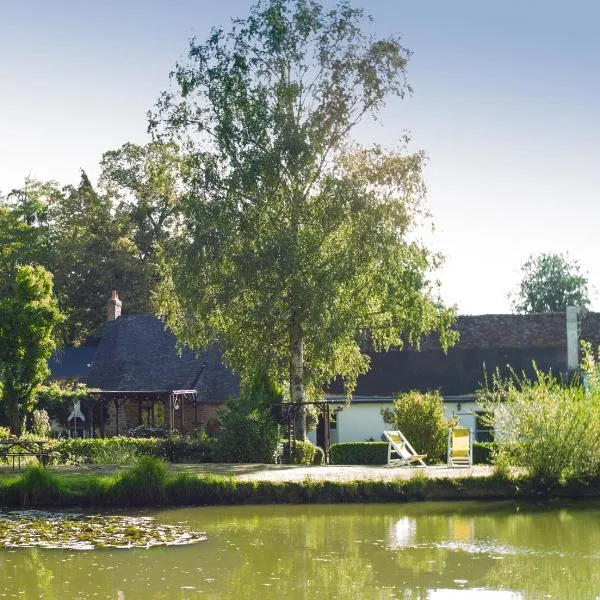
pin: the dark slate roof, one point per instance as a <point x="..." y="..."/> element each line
<point x="71" y="362"/>
<point x="138" y="353"/>
<point x="487" y="343"/>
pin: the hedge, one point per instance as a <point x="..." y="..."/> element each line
<point x="359" y="453"/>
<point x="118" y="450"/>
<point x="482" y="453"/>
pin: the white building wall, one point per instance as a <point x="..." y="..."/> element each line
<point x="362" y="421"/>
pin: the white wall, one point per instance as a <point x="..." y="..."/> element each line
<point x="361" y="422"/>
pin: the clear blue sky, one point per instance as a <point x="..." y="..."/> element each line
<point x="505" y="105"/>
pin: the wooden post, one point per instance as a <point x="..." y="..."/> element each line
<point x="181" y="404"/>
<point x="326" y="433"/>
<point x="116" y="401"/>
<point x="102" y="432"/>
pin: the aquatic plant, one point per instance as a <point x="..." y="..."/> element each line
<point x="21" y="529"/>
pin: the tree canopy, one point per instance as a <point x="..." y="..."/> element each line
<point x="297" y="249"/>
<point x="550" y="283"/>
<point x="96" y="239"/>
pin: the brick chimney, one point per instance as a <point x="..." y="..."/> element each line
<point x="113" y="307"/>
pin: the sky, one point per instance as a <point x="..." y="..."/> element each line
<point x="505" y="105"/>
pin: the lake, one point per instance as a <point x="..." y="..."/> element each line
<point x="422" y="550"/>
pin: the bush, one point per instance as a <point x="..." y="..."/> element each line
<point x="359" y="453"/>
<point x="547" y="427"/>
<point x="122" y="450"/>
<point x="40" y="423"/>
<point x="420" y="417"/>
<point x="482" y="453"/>
<point x="250" y="434"/>
<point x="303" y="453"/>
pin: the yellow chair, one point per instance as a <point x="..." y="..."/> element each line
<point x="406" y="454"/>
<point x="460" y="447"/>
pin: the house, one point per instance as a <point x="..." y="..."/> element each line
<point x="146" y="379"/>
<point x="488" y="344"/>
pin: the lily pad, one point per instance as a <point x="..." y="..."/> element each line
<point x="24" y="529"/>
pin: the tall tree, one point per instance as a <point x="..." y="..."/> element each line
<point x="86" y="240"/>
<point x="550" y="283"/>
<point x="298" y="244"/>
<point x="28" y="317"/>
<point x="146" y="182"/>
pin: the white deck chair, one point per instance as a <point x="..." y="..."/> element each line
<point x="406" y="454"/>
<point x="460" y="447"/>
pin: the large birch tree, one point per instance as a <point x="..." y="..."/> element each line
<point x="298" y="249"/>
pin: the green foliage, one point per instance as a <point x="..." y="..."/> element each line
<point x="147" y="479"/>
<point x="88" y="241"/>
<point x="122" y="450"/>
<point x="40" y="423"/>
<point x="38" y="487"/>
<point x="58" y="398"/>
<point x="359" y="453"/>
<point x="483" y="453"/>
<point x="420" y="417"/>
<point x="250" y="433"/>
<point x="291" y="233"/>
<point x="145" y="181"/>
<point x="303" y="453"/>
<point x="28" y="317"/>
<point x="548" y="427"/>
<point x="550" y="283"/>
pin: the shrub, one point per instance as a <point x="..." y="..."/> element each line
<point x="250" y="433"/>
<point x="303" y="453"/>
<point x="482" y="453"/>
<point x="549" y="428"/>
<point x="122" y="450"/>
<point x="420" y="417"/>
<point x="359" y="453"/>
<point x="40" y="423"/>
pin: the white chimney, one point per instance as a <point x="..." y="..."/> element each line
<point x="572" y="339"/>
<point x="113" y="307"/>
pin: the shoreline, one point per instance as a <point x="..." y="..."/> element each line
<point x="183" y="485"/>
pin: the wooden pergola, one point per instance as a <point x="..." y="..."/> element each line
<point x="173" y="400"/>
<point x="286" y="413"/>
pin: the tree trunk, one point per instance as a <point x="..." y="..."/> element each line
<point x="13" y="413"/>
<point x="297" y="375"/>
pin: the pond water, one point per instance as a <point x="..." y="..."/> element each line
<point x="427" y="550"/>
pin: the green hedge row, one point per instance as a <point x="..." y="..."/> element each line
<point x="359" y="453"/>
<point x="375" y="453"/>
<point x="124" y="450"/>
<point x="119" y="450"/>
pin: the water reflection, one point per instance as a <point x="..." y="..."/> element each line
<point x="420" y="551"/>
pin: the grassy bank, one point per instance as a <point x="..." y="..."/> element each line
<point x="149" y="484"/>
